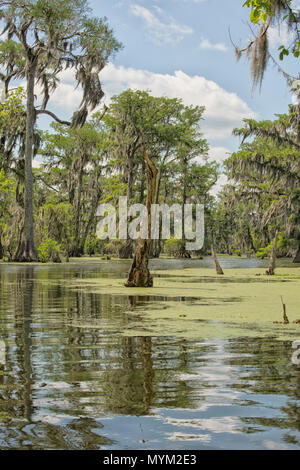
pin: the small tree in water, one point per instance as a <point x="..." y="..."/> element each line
<point x="143" y="127"/>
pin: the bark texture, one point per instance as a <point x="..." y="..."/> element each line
<point x="139" y="274"/>
<point x="26" y="251"/>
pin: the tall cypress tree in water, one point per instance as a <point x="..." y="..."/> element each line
<point x="55" y="36"/>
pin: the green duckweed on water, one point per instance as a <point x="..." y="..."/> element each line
<point x="197" y="304"/>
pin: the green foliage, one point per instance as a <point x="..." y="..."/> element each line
<point x="264" y="194"/>
<point x="270" y="11"/>
<point x="115" y="247"/>
<point x="7" y="190"/>
<point x="53" y="36"/>
<point x="160" y="121"/>
<point x="260" y="10"/>
<point x="12" y="112"/>
<point x="91" y="244"/>
<point x="172" y="246"/>
<point x="48" y="251"/>
<point x="43" y="39"/>
<point x="55" y="221"/>
<point x="6" y="187"/>
<point x="264" y="252"/>
<point x="283" y="246"/>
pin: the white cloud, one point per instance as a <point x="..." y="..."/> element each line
<point x="216" y="425"/>
<point x="273" y="445"/>
<point x="161" y="32"/>
<point x="66" y="97"/>
<point x="279" y="35"/>
<point x="296" y="4"/>
<point x="217" y="188"/>
<point x="159" y="10"/>
<point x="206" y="44"/>
<point x="224" y="110"/>
<point x="219" y="154"/>
<point x="36" y="164"/>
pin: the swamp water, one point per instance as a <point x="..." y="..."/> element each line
<point x="195" y="363"/>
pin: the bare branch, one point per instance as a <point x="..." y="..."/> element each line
<point x="45" y="111"/>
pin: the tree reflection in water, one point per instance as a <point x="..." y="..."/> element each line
<point x="69" y="368"/>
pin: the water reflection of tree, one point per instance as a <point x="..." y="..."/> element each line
<point x="5" y="393"/>
<point x="28" y="323"/>
<point x="120" y="374"/>
<point x="17" y="300"/>
<point x="129" y="389"/>
<point x="118" y="370"/>
<point x="23" y="315"/>
<point x="264" y="366"/>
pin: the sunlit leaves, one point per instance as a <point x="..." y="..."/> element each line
<point x="260" y="10"/>
<point x="12" y="113"/>
<point x="274" y="12"/>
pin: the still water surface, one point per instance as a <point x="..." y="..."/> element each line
<point x="69" y="387"/>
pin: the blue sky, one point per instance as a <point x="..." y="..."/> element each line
<point x="182" y="48"/>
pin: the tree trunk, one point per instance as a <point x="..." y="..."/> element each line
<point x="217" y="265"/>
<point x="77" y="249"/>
<point x="156" y="244"/>
<point x="126" y="251"/>
<point x="297" y="256"/>
<point x="250" y="239"/>
<point x="81" y="232"/>
<point x="92" y="216"/>
<point x="272" y="264"/>
<point x="156" y="248"/>
<point x="1" y="251"/>
<point x="182" y="252"/>
<point x="143" y="181"/>
<point x="26" y="251"/>
<point x="139" y="274"/>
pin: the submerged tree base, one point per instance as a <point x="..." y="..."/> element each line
<point x="139" y="274"/>
<point x="270" y="272"/>
<point x="219" y="270"/>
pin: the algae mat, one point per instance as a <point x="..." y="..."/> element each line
<point x="197" y="304"/>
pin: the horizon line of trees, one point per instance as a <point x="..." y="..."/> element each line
<point x="102" y="160"/>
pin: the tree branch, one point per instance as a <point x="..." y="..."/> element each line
<point x="49" y="113"/>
